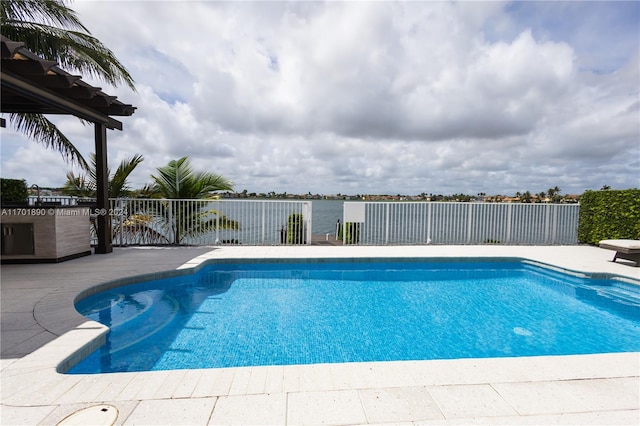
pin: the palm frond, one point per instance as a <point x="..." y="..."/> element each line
<point x="51" y="29"/>
<point x="72" y="50"/>
<point x="118" y="183"/>
<point x="148" y="191"/>
<point x="92" y="171"/>
<point x="218" y="183"/>
<point x="178" y="180"/>
<point x="77" y="186"/>
<point x="49" y="11"/>
<point x="175" y="179"/>
<point x="39" y="128"/>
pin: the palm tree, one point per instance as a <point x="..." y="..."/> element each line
<point x="53" y="31"/>
<point x="541" y="197"/>
<point x="554" y="194"/>
<point x="178" y="180"/>
<point x="85" y="186"/>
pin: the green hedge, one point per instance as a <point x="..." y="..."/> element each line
<point x="13" y="190"/>
<point x="606" y="215"/>
<point x="295" y="229"/>
<point x="352" y="233"/>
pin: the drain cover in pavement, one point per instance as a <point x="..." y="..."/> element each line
<point x="98" y="415"/>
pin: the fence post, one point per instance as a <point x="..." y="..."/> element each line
<point x="554" y="221"/>
<point x="469" y="222"/>
<point x="172" y="225"/>
<point x="264" y="205"/>
<point x="120" y="222"/>
<point x="429" y="223"/>
<point x="308" y="221"/>
<point x="509" y="222"/>
<point x="218" y="213"/>
<point x="547" y="212"/>
<point x="386" y="233"/>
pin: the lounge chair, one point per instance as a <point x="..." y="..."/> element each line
<point x="625" y="249"/>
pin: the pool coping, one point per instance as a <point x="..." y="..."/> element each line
<point x="34" y="380"/>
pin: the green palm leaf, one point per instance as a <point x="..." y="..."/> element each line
<point x="39" y="128"/>
<point x="177" y="180"/>
<point x="77" y="186"/>
<point x="118" y="186"/>
<point x="53" y="31"/>
<point x="49" y="11"/>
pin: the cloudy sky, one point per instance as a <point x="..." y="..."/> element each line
<point x="369" y="97"/>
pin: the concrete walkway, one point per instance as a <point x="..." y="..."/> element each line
<point x="40" y="330"/>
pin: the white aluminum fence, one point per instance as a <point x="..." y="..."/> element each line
<point x="63" y="200"/>
<point x="386" y="223"/>
<point x="208" y="222"/>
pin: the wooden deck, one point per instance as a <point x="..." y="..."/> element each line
<point x="324" y="240"/>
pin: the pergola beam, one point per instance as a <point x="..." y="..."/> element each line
<point x="39" y="95"/>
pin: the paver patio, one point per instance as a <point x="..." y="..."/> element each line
<point x="40" y="329"/>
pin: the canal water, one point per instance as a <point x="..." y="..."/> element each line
<point x="325" y="214"/>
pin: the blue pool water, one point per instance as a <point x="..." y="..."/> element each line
<point x="241" y="314"/>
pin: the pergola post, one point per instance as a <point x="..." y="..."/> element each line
<point x="102" y="192"/>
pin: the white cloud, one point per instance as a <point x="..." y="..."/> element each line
<point x="373" y="97"/>
<point x="33" y="163"/>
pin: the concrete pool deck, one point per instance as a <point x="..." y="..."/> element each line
<point x="40" y="329"/>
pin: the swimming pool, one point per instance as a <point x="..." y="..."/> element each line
<point x="262" y="313"/>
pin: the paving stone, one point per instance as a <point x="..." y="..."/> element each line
<point x="532" y="398"/>
<point x="240" y="383"/>
<point x="257" y="381"/>
<point x="326" y="407"/>
<point x="187" y="385"/>
<point x="399" y="405"/>
<point x="263" y="409"/>
<point x="191" y="411"/>
<point x="24" y="415"/>
<point x="470" y="401"/>
<point x="604" y="394"/>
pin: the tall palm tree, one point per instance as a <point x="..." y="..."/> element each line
<point x="85" y="186"/>
<point x="178" y="180"/>
<point x="53" y="31"/>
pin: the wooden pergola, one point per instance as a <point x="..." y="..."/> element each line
<point x="31" y="84"/>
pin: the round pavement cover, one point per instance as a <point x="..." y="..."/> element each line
<point x="98" y="415"/>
